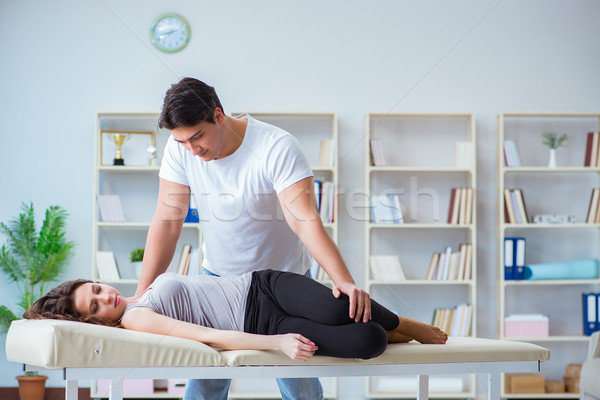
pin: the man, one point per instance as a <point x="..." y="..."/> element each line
<point x="255" y="196"/>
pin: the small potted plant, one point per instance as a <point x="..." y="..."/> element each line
<point x="31" y="259"/>
<point x="136" y="257"/>
<point x="553" y="141"/>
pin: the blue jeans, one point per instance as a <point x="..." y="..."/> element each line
<point x="217" y="389"/>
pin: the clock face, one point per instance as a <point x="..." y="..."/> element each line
<point x="170" y="33"/>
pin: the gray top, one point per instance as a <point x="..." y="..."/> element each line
<point x="215" y="302"/>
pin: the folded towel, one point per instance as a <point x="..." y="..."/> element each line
<point x="576" y="269"/>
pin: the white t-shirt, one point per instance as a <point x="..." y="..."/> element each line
<point x="242" y="222"/>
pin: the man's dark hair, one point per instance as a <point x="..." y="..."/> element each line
<point x="188" y="103"/>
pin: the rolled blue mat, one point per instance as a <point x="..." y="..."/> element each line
<point x="576" y="269"/>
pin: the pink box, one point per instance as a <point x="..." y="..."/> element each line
<point x="130" y="386"/>
<point x="520" y="326"/>
<point x="177" y="386"/>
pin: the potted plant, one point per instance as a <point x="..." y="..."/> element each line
<point x="553" y="141"/>
<point x="136" y="257"/>
<point x="32" y="259"/>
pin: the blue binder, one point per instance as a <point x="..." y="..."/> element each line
<point x="591" y="315"/>
<point x="509" y="259"/>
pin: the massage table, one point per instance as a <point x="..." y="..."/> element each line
<point x="84" y="351"/>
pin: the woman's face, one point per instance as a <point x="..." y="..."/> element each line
<point x="99" y="300"/>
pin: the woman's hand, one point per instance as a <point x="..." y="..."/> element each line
<point x="296" y="346"/>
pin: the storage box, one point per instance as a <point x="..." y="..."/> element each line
<point x="524" y="383"/>
<point x="526" y="325"/>
<point x="131" y="387"/>
<point x="177" y="386"/>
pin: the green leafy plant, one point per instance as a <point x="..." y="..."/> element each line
<point x="553" y="140"/>
<point x="136" y="255"/>
<point x="31" y="258"/>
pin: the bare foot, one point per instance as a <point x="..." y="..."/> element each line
<point x="395" y="337"/>
<point x="421" y="332"/>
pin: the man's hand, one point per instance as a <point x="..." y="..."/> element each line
<point x="360" y="302"/>
<point x="295" y="346"/>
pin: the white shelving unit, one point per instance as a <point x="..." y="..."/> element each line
<point x="421" y="169"/>
<point x="563" y="190"/>
<point x="310" y="128"/>
<point x="136" y="183"/>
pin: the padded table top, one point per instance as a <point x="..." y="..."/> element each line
<point x="55" y="344"/>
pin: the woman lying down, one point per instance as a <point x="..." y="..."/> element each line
<point x="262" y="310"/>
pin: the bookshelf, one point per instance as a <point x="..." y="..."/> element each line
<point x="561" y="190"/>
<point x="136" y="184"/>
<point x="423" y="163"/>
<point x="310" y="128"/>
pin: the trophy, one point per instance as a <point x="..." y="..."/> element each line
<point x="118" y="139"/>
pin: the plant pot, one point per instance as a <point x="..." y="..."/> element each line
<point x="552" y="160"/>
<point x="32" y="387"/>
<point x="137" y="268"/>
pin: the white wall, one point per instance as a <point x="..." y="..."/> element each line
<point x="62" y="61"/>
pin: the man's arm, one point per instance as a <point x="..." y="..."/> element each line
<point x="143" y="319"/>
<point x="300" y="211"/>
<point x="171" y="209"/>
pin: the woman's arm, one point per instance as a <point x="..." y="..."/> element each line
<point x="299" y="206"/>
<point x="171" y="209"/>
<point x="144" y="319"/>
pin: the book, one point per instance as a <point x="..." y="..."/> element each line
<point x="183" y="259"/>
<point x="518" y="206"/>
<point x="455" y="200"/>
<point x="107" y="266"/>
<point x="462" y="261"/>
<point x="594" y="149"/>
<point x="377" y="153"/>
<point x="511" y="154"/>
<point x="463" y="155"/>
<point x="588" y="150"/>
<point x="433" y="264"/>
<point x="463" y="206"/>
<point x="111" y="209"/>
<point x="327" y="153"/>
<point x="509" y="212"/>
<point x="386" y="268"/>
<point x="509" y="259"/>
<point x="385" y="209"/>
<point x="194" y="268"/>
<point x="469" y="262"/>
<point x="469" y="207"/>
<point x="519" y="263"/>
<point x="593" y="207"/>
<point x="591" y="318"/>
<point x="455" y="321"/>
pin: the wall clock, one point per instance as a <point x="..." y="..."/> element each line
<point x="170" y="33"/>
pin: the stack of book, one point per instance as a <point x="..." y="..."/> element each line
<point x="451" y="265"/>
<point x="591" y="313"/>
<point x="386" y="268"/>
<point x="377" y="156"/>
<point x="326" y="200"/>
<point x="511" y="154"/>
<point x="327" y="153"/>
<point x="593" y="215"/>
<point x="106" y="266"/>
<point x="189" y="261"/>
<point x="514" y="258"/>
<point x="463" y="155"/>
<point x="386" y="209"/>
<point x="454" y="321"/>
<point x="592" y="154"/>
<point x="514" y="207"/>
<point x="110" y="207"/>
<point x="526" y="325"/>
<point x="461" y="206"/>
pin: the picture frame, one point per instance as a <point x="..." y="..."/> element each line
<point x="134" y="150"/>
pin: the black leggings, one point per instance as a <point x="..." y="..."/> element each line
<point x="284" y="302"/>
